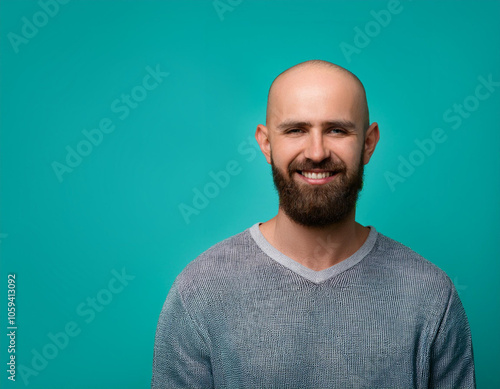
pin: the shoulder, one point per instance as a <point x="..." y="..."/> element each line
<point x="407" y="267"/>
<point x="222" y="260"/>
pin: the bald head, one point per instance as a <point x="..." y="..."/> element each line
<point x="318" y="74"/>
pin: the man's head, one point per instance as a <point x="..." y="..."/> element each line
<point x="275" y="90"/>
<point x="317" y="122"/>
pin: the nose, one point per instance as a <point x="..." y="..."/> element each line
<point x="316" y="149"/>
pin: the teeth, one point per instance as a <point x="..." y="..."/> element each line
<point x="316" y="175"/>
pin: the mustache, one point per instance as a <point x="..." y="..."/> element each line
<point x="327" y="165"/>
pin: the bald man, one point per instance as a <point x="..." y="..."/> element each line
<point x="311" y="298"/>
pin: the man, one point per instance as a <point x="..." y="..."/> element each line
<point x="311" y="298"/>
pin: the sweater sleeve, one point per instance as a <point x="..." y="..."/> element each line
<point x="451" y="356"/>
<point x="181" y="357"/>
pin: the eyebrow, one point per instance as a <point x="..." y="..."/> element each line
<point x="347" y="124"/>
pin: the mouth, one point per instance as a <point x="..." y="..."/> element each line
<point x="317" y="176"/>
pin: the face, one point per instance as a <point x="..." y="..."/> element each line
<point x="316" y="145"/>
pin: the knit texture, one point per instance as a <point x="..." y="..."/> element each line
<point x="244" y="315"/>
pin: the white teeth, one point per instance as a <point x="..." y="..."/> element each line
<point x="316" y="175"/>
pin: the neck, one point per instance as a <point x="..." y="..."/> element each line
<point x="317" y="248"/>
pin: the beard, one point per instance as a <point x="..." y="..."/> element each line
<point x="318" y="205"/>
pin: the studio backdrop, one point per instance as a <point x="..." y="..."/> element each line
<point x="127" y="148"/>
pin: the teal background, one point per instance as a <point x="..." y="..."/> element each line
<point x="119" y="209"/>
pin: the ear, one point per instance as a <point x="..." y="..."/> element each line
<point x="262" y="137"/>
<point x="371" y="139"/>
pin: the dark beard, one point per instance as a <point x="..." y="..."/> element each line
<point x="318" y="205"/>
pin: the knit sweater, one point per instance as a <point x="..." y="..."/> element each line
<point x="244" y="315"/>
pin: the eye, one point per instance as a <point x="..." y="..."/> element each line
<point x="337" y="130"/>
<point x="293" y="131"/>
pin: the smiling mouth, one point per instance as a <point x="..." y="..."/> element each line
<point x="316" y="175"/>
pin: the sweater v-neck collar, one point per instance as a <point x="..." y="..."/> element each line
<point x="309" y="274"/>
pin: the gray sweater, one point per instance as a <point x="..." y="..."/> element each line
<point x="244" y="315"/>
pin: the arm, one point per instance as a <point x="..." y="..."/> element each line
<point x="181" y="357"/>
<point x="451" y="357"/>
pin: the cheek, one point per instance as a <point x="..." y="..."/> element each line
<point x="284" y="153"/>
<point x="347" y="150"/>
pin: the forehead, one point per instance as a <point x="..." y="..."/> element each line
<point x="316" y="95"/>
